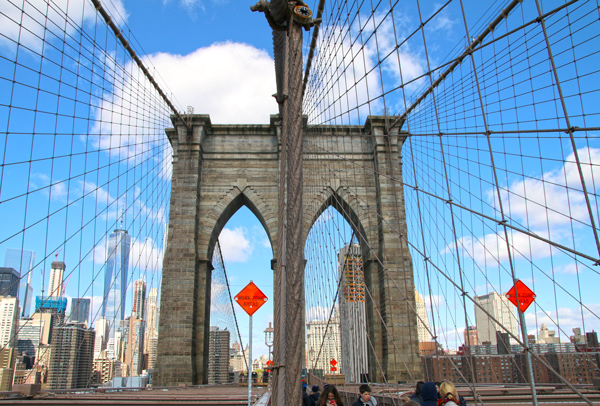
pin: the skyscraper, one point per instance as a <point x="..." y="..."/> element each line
<point x="470" y="335"/>
<point x="31" y="335"/>
<point x="501" y="309"/>
<point x="139" y="298"/>
<point x="354" y="358"/>
<point x="56" y="279"/>
<point x="9" y="321"/>
<point x="22" y="261"/>
<point x="115" y="277"/>
<point x="80" y="310"/>
<point x="423" y="320"/>
<point x="151" y="319"/>
<point x="134" y="356"/>
<point x="323" y="336"/>
<point x="218" y="356"/>
<point x="101" y="339"/>
<point x="71" y="358"/>
<point x="9" y="282"/>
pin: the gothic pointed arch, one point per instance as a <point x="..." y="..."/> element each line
<point x="346" y="204"/>
<point x="228" y="205"/>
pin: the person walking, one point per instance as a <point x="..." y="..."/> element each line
<point x="365" y="398"/>
<point x="430" y="394"/>
<point x="315" y="395"/>
<point x="417" y="398"/>
<point x="448" y="394"/>
<point x="330" y="397"/>
<point x="305" y="397"/>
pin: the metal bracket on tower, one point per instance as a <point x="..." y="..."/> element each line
<point x="298" y="10"/>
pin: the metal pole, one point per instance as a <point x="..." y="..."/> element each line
<point x="250" y="365"/>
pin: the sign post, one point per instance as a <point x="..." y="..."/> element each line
<point x="250" y="299"/>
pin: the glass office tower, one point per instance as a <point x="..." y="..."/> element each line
<point x="116" y="276"/>
<point x="22" y="261"/>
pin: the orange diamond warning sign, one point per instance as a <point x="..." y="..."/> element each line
<point x="526" y="296"/>
<point x="251" y="298"/>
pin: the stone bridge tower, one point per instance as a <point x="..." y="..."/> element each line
<point x="217" y="169"/>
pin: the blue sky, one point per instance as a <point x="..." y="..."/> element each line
<point x="216" y="56"/>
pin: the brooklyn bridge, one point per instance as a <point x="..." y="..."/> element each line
<point x="409" y="185"/>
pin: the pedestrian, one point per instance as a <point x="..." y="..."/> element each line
<point x="315" y="395"/>
<point x="365" y="397"/>
<point x="417" y="398"/>
<point x="430" y="394"/>
<point x="448" y="394"/>
<point x="330" y="397"/>
<point x="305" y="397"/>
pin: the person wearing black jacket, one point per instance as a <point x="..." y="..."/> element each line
<point x="305" y="397"/>
<point x="417" y="396"/>
<point x="365" y="398"/>
<point x="315" y="395"/>
<point x="430" y="394"/>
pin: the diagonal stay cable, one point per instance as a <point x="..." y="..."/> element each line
<point x="137" y="60"/>
<point x="218" y="247"/>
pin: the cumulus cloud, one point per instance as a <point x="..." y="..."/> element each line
<point x="232" y="82"/>
<point x="442" y="21"/>
<point x="345" y="88"/>
<point x="433" y="300"/>
<point x="56" y="189"/>
<point x="572" y="268"/>
<point x="568" y="318"/>
<point x="349" y="85"/>
<point x="235" y="246"/>
<point x="556" y="197"/>
<point x="403" y="64"/>
<point x="491" y="248"/>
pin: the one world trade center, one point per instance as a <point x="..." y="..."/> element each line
<point x="116" y="277"/>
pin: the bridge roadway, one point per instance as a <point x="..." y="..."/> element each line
<point x="225" y="395"/>
<point x="489" y="395"/>
<point x="218" y="395"/>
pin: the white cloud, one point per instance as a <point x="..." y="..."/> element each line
<point x="545" y="202"/>
<point x="98" y="193"/>
<point x="27" y="25"/>
<point x="434" y="300"/>
<point x="234" y="245"/>
<point x="572" y="268"/>
<point x="232" y="82"/>
<point x="56" y="191"/>
<point x="491" y="248"/>
<point x="145" y="256"/>
<point x="346" y="82"/>
<point x="568" y="318"/>
<point x="402" y="59"/>
<point x="543" y="205"/>
<point x="442" y="21"/>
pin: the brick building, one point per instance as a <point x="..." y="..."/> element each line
<point x="71" y="357"/>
